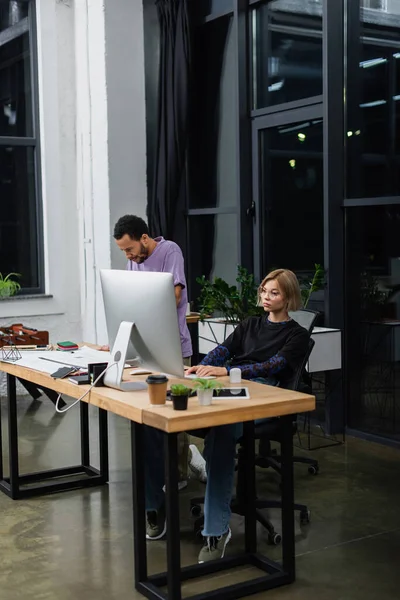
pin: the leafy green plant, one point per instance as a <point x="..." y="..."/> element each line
<point x="372" y="298"/>
<point x="233" y="303"/>
<point x="9" y="287"/>
<point x="313" y="284"/>
<point x="207" y="384"/>
<point x="178" y="389"/>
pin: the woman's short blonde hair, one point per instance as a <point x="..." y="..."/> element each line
<point x="289" y="286"/>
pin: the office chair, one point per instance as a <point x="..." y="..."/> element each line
<point x="271" y="430"/>
<point x="267" y="457"/>
<point x="304" y="317"/>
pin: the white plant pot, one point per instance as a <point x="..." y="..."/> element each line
<point x="205" y="397"/>
<point x="213" y="332"/>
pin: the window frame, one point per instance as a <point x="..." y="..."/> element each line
<point x="33" y="141"/>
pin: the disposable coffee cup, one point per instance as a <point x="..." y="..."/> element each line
<point x="157" y="387"/>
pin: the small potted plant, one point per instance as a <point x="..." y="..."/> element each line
<point x="9" y="287"/>
<point x="179" y="396"/>
<point x="205" y="390"/>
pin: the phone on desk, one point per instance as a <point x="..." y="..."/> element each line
<point x="63" y="372"/>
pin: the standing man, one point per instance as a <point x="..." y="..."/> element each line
<point x="144" y="253"/>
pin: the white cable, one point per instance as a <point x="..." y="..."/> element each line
<point x="63" y="410"/>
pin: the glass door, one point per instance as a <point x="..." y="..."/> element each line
<point x="288" y="190"/>
<point x="373" y="318"/>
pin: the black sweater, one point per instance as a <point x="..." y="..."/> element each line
<point x="261" y="348"/>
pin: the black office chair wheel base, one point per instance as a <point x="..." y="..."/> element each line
<point x="274" y="539"/>
<point x="305" y="517"/>
<point x="195" y="510"/>
<point x="313" y="470"/>
<point x="198" y="527"/>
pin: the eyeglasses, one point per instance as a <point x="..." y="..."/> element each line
<point x="272" y="294"/>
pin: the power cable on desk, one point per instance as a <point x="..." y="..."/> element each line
<point x="60" y="410"/>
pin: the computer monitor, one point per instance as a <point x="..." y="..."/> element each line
<point x="142" y="322"/>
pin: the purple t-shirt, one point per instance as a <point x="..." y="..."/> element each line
<point x="167" y="257"/>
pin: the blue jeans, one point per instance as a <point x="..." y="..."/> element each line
<point x="219" y="453"/>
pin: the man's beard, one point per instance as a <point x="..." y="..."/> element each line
<point x="144" y="253"/>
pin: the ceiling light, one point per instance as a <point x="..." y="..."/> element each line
<point x="275" y="87"/>
<point x="375" y="103"/>
<point x="366" y="64"/>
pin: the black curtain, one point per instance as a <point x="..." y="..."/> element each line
<point x="168" y="200"/>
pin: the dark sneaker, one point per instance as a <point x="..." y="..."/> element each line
<point x="214" y="547"/>
<point x="156" y="524"/>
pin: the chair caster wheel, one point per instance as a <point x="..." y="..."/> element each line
<point x="274" y="539"/>
<point x="198" y="527"/>
<point x="313" y="470"/>
<point x="195" y="510"/>
<point x="305" y="517"/>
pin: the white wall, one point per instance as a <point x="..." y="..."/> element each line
<point x="126" y="113"/>
<point x="111" y="140"/>
<point x="93" y="149"/>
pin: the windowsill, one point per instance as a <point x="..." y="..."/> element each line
<point x="26" y="297"/>
<point x="30" y="305"/>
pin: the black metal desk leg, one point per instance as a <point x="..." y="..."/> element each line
<point x="13" y="436"/>
<point x="138" y="498"/>
<point x="288" y="541"/>
<point x="172" y="512"/>
<point x="103" y="443"/>
<point x="250" y="495"/>
<point x="1" y="448"/>
<point x="85" y="447"/>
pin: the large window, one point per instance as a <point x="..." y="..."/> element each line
<point x="373" y="158"/>
<point x="373" y="269"/>
<point x="290" y="172"/>
<point x="287" y="52"/>
<point x="20" y="214"/>
<point x="212" y="211"/>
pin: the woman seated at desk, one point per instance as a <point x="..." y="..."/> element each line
<point x="267" y="349"/>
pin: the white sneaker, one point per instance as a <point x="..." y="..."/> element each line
<point x="197" y="464"/>
<point x="181" y="485"/>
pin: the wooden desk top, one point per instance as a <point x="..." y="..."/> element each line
<point x="265" y="401"/>
<point x="193" y="318"/>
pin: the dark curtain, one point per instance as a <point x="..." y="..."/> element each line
<point x="168" y="201"/>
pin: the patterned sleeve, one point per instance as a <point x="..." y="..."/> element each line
<point x="272" y="366"/>
<point x="217" y="357"/>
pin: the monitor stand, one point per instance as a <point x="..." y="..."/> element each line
<point x="113" y="377"/>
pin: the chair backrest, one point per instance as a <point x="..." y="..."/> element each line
<point x="304" y="317"/>
<point x="296" y="380"/>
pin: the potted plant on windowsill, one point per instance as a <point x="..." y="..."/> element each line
<point x="205" y="390"/>
<point x="9" y="287"/>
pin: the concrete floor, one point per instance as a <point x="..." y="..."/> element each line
<point x="78" y="545"/>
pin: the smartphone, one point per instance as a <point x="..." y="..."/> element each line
<point x="80" y="379"/>
<point x="63" y="372"/>
<point x="234" y="393"/>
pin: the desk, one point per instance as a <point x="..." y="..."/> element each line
<point x="265" y="401"/>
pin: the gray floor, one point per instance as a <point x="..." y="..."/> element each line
<point x="78" y="545"/>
